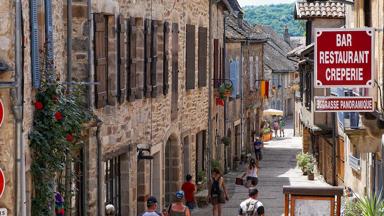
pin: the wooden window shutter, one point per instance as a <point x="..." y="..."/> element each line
<point x="131" y="57"/>
<point x="139" y="57"/>
<point x="147" y="57"/>
<point x="111" y="59"/>
<point x="100" y="61"/>
<point x="35" y="61"/>
<point x="175" y="70"/>
<point x="166" y="58"/>
<point x="190" y="57"/>
<point x="157" y="72"/>
<point x="121" y="60"/>
<point x="153" y="53"/>
<point x="216" y="63"/>
<point x="202" y="49"/>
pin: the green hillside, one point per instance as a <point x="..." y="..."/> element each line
<point x="277" y="16"/>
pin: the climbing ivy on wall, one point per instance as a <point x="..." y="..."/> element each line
<point x="58" y="121"/>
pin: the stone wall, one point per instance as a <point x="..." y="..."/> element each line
<point x="148" y="120"/>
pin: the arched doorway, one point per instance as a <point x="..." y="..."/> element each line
<point x="172" y="168"/>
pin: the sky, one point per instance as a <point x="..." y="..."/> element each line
<point x="263" y="2"/>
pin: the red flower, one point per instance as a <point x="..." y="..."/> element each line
<point x="55" y="98"/>
<point x="58" y="116"/>
<point x="69" y="137"/>
<point x="39" y="105"/>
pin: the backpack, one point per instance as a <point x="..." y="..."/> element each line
<point x="251" y="208"/>
<point x="215" y="188"/>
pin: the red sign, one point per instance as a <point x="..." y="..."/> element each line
<point x="344" y="58"/>
<point x="2" y="182"/>
<point x="344" y="104"/>
<point x="1" y="112"/>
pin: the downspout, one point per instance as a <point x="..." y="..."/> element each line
<point x="68" y="164"/>
<point x="226" y="100"/>
<point x="334" y="149"/>
<point x="241" y="100"/>
<point x="18" y="112"/>
<point x="89" y="103"/>
<point x="209" y="93"/>
<point x="100" y="208"/>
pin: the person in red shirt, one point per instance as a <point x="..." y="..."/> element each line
<point x="189" y="189"/>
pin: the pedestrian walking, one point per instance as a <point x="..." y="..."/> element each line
<point x="257" y="146"/>
<point x="151" y="207"/>
<point x="282" y="125"/>
<point x="275" y="127"/>
<point x="177" y="208"/>
<point x="217" y="193"/>
<point x="252" y="174"/>
<point x="189" y="190"/>
<point x="251" y="206"/>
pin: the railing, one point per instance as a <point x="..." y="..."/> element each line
<point x="354" y="163"/>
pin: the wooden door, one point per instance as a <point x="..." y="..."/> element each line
<point x="340" y="162"/>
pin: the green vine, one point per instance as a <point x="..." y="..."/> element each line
<point x="58" y="121"/>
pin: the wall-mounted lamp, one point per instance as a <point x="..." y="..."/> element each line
<point x="143" y="152"/>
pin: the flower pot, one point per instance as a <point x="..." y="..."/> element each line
<point x="311" y="176"/>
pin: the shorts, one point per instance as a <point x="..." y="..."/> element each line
<point x="258" y="155"/>
<point x="250" y="179"/>
<point x="190" y="205"/>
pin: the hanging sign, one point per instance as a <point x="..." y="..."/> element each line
<point x="1" y="112"/>
<point x="2" y="182"/>
<point x="344" y="57"/>
<point x="344" y="104"/>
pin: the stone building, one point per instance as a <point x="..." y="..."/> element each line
<point x="317" y="128"/>
<point x="146" y="68"/>
<point x="281" y="70"/>
<point x="244" y="63"/>
<point x="363" y="133"/>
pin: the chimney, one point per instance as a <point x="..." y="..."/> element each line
<point x="240" y="17"/>
<point x="287" y="37"/>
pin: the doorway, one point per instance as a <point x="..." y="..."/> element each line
<point x="186" y="158"/>
<point x="172" y="169"/>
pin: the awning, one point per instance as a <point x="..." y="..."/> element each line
<point x="273" y="112"/>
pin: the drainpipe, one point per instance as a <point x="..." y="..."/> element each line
<point x="209" y="153"/>
<point x="334" y="149"/>
<point x="241" y="100"/>
<point x="99" y="170"/>
<point x="226" y="100"/>
<point x="69" y="43"/>
<point x="18" y="112"/>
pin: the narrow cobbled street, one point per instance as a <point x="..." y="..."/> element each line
<point x="278" y="168"/>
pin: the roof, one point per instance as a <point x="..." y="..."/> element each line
<point x="275" y="51"/>
<point x="235" y="5"/>
<point x="301" y="50"/>
<point x="245" y="31"/>
<point x="319" y="9"/>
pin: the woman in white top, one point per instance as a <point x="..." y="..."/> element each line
<point x="252" y="174"/>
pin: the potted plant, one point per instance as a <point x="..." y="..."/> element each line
<point x="226" y="89"/>
<point x="201" y="180"/>
<point x="226" y="141"/>
<point x="302" y="161"/>
<point x="310" y="168"/>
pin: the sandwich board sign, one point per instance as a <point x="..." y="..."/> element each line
<point x="344" y="58"/>
<point x="3" y="212"/>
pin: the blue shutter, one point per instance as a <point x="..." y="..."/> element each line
<point x="340" y="115"/>
<point x="49" y="36"/>
<point x="34" y="45"/>
<point x="232" y="75"/>
<point x="354" y="118"/>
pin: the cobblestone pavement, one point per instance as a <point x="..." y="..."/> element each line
<point x="278" y="168"/>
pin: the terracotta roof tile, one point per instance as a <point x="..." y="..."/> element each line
<point x="320" y="9"/>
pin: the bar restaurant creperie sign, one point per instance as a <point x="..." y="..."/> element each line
<point x="344" y="58"/>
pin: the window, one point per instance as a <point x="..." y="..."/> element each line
<point x="190" y="57"/>
<point x="367" y="13"/>
<point x="251" y="74"/>
<point x="101" y="60"/>
<point x="216" y="75"/>
<point x="113" y="183"/>
<point x="307" y="87"/>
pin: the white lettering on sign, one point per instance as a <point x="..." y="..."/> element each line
<point x="344" y="57"/>
<point x="343" y="40"/>
<point x="3" y="212"/>
<point x="344" y="74"/>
